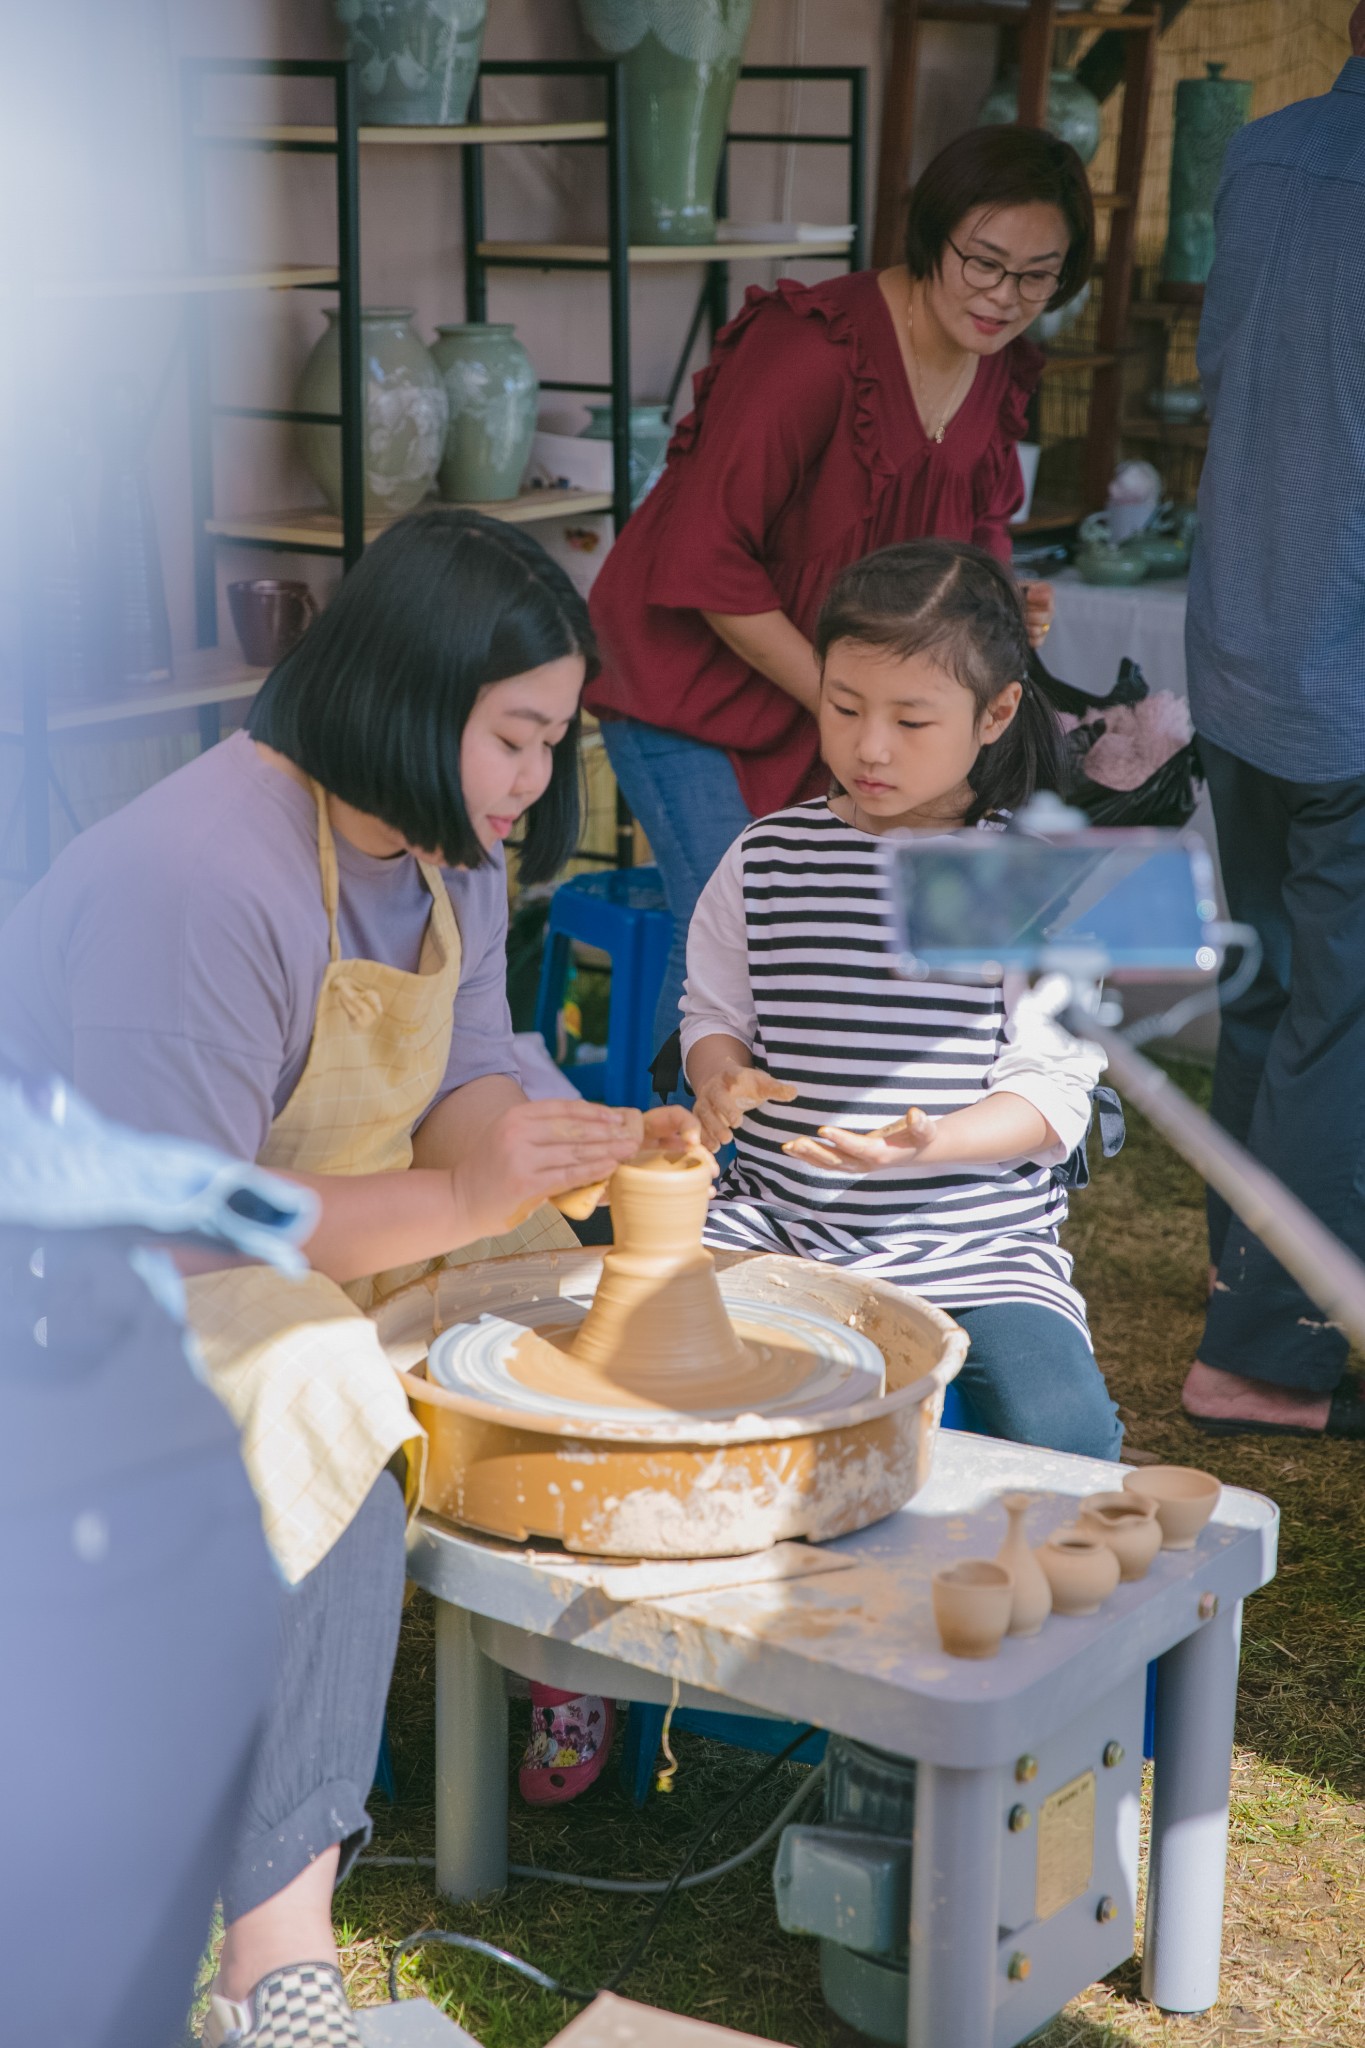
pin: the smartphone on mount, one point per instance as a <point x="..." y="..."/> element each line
<point x="1129" y="904"/>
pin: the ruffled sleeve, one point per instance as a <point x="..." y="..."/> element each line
<point x="998" y="487"/>
<point x="767" y="405"/>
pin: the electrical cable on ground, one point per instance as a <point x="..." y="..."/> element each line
<point x="667" y="1888"/>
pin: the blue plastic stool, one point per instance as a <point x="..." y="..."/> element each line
<point x="624" y="914"/>
<point x="644" y="1726"/>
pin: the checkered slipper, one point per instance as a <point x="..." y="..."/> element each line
<point x="302" y="2006"/>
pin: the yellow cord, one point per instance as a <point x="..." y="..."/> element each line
<point x="663" y="1781"/>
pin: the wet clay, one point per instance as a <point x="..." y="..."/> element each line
<point x="657" y="1333"/>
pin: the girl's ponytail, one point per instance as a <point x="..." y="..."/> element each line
<point x="1030" y="754"/>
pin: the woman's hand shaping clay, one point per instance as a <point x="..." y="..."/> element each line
<point x="535" y="1151"/>
<point x="864" y="1151"/>
<point x="660" y="1128"/>
<point x="726" y="1097"/>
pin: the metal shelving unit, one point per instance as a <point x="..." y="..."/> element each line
<point x="211" y="677"/>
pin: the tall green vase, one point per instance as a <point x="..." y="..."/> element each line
<point x="682" y="60"/>
<point x="405" y="412"/>
<point x="650" y="435"/>
<point x="1208" y="113"/>
<point x="492" y="389"/>
<point x="416" y="60"/>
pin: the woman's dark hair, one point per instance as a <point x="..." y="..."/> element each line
<point x="1002" y="167"/>
<point x="953" y="601"/>
<point x="373" y="701"/>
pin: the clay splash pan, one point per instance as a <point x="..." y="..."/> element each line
<point x="654" y="1484"/>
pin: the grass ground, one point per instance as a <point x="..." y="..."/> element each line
<point x="1295" y="1953"/>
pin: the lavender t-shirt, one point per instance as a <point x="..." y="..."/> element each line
<point x="169" y="963"/>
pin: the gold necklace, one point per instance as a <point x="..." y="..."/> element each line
<point x="954" y="396"/>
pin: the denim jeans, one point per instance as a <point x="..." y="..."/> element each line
<point x="1291" y="1055"/>
<point x="1031" y="1378"/>
<point x="686" y="796"/>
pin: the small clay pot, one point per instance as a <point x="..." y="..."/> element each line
<point x="1032" y="1593"/>
<point x="972" y="1602"/>
<point x="1184" y="1498"/>
<point x="1128" y="1524"/>
<point x="1081" y="1570"/>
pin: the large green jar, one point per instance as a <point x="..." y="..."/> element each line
<point x="1073" y="112"/>
<point x="405" y="412"/>
<point x="1208" y="113"/>
<point x="682" y="59"/>
<point x="415" y="60"/>
<point x="650" y="435"/>
<point x="492" y="390"/>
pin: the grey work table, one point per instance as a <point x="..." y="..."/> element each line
<point x="992" y="1955"/>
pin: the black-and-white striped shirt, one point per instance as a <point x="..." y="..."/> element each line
<point x="789" y="952"/>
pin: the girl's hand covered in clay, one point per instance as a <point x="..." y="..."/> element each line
<point x="864" y="1151"/>
<point x="726" y="1098"/>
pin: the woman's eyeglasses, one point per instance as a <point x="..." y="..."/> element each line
<point x="983" y="274"/>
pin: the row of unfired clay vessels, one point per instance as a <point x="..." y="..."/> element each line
<point x="1114" y="1536"/>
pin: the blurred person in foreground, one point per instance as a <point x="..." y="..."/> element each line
<point x="1276" y="652"/>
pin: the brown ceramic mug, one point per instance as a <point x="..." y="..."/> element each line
<point x="270" y="618"/>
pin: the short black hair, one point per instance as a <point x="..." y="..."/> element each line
<point x="373" y="701"/>
<point x="1005" y="166"/>
<point x="955" y="602"/>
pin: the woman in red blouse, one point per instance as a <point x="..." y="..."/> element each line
<point x="831" y="420"/>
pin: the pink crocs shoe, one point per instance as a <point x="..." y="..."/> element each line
<point x="569" y="1742"/>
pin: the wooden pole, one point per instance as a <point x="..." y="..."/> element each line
<point x="897" y="130"/>
<point x="1107" y="391"/>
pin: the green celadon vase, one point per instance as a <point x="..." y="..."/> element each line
<point x="682" y="60"/>
<point x="405" y="412"/>
<point x="1208" y="113"/>
<point x="415" y="60"/>
<point x="1073" y="112"/>
<point x="493" y="391"/>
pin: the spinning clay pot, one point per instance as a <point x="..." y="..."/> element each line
<point x="1184" y="1498"/>
<point x="1081" y="1570"/>
<point x="972" y="1603"/>
<point x="1127" y="1523"/>
<point x="1032" y="1593"/>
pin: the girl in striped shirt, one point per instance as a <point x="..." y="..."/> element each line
<point x="801" y="1042"/>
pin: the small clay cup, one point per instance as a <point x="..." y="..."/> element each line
<point x="1127" y="1523"/>
<point x="972" y="1602"/>
<point x="1081" y="1570"/>
<point x="270" y="618"/>
<point x="1184" y="1498"/>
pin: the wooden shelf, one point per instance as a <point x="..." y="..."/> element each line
<point x="309" y="135"/>
<point x="176" y="284"/>
<point x="212" y="675"/>
<point x="1048" y="520"/>
<point x="1094" y="360"/>
<point x="533" y="253"/>
<point x="317" y="531"/>
<point x="1000" y="14"/>
<point x="1181" y="433"/>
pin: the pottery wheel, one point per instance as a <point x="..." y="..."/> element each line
<point x="796" y="1362"/>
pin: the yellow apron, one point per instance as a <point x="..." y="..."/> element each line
<point x="297" y="1363"/>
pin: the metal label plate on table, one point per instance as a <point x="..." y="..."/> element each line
<point x="1066" y="1845"/>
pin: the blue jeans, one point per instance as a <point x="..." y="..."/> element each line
<point x="1291" y="1056"/>
<point x="686" y="796"/>
<point x="1031" y="1378"/>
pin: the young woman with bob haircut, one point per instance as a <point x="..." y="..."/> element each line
<point x="832" y="420"/>
<point x="293" y="949"/>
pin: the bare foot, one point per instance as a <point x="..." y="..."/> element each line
<point x="1226" y="1397"/>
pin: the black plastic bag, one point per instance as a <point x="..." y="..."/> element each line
<point x="1169" y="795"/>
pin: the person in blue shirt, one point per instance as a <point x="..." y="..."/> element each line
<point x="1275" y="643"/>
